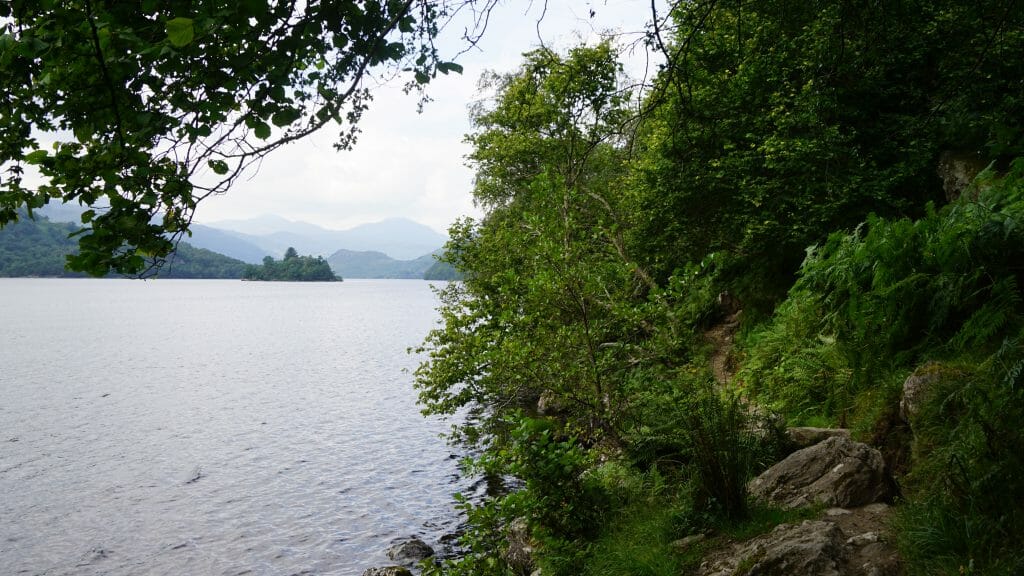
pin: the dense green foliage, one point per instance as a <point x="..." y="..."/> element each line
<point x="613" y="241"/>
<point x="876" y="303"/>
<point x="38" y="247"/>
<point x="291" y="268"/>
<point x="780" y="122"/>
<point x="895" y="292"/>
<point x="188" y="261"/>
<point x="149" y="107"/>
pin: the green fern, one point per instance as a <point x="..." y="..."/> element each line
<point x="985" y="323"/>
<point x="891" y="294"/>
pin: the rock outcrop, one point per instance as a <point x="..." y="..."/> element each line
<point x="519" y="553"/>
<point x="804" y="436"/>
<point x="843" y="543"/>
<point x="958" y="169"/>
<point x="549" y="404"/>
<point x="410" y="552"/>
<point x="688" y="542"/>
<point x="918" y="386"/>
<point x="812" y="548"/>
<point x="388" y="571"/>
<point x="834" y="472"/>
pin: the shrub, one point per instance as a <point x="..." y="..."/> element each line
<point x="963" y="513"/>
<point x="891" y="294"/>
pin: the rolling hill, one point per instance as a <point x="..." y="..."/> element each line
<point x="370" y="264"/>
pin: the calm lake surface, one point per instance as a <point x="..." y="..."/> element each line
<point x="215" y="427"/>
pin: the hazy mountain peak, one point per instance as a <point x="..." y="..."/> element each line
<point x="399" y="238"/>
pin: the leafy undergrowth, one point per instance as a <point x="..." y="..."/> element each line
<point x="639" y="541"/>
<point x="870" y="308"/>
<point x="763" y="519"/>
<point x="894" y="296"/>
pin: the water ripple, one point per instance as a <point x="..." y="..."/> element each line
<point x="205" y="427"/>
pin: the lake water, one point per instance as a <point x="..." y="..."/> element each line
<point x="215" y="427"/>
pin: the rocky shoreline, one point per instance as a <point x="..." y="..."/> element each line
<point x="848" y="486"/>
<point x="850" y="538"/>
<point x="405" y="554"/>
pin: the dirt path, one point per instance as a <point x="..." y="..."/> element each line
<point x="721" y="338"/>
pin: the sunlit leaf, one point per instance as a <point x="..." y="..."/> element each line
<point x="180" y="31"/>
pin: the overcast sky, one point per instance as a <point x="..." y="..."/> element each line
<point x="407" y="164"/>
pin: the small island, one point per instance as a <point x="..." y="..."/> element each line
<point x="293" y="268"/>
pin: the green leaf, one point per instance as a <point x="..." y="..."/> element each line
<point x="285" y="117"/>
<point x="36" y="157"/>
<point x="394" y="50"/>
<point x="180" y="31"/>
<point x="7" y="42"/>
<point x="218" y="166"/>
<point x="446" y="67"/>
<point x="262" y="130"/>
<point x="87" y="216"/>
<point x="253" y="7"/>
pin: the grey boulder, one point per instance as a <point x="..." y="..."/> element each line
<point x="804" y="436"/>
<point x="813" y="548"/>
<point x="835" y="472"/>
<point x="918" y="387"/>
<point x="410" y="552"/>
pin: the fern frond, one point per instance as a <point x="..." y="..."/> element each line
<point x="987" y="321"/>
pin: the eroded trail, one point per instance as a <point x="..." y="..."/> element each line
<point x="721" y="336"/>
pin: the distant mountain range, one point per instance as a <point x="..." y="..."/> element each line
<point x="372" y="264"/>
<point x="399" y="238"/>
<point x="392" y="248"/>
<point x="227" y="243"/>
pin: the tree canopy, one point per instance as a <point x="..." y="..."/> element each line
<point x="143" y="109"/>
<point x="776" y="122"/>
<point x="291" y="268"/>
<point x="630" y="240"/>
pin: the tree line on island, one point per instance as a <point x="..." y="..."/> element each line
<point x="291" y="268"/>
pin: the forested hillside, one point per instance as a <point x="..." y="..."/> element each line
<point x="374" y="264"/>
<point x="40" y="248"/>
<point x="442" y="271"/>
<point x="35" y="248"/>
<point x="812" y="201"/>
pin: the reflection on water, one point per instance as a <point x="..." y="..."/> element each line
<point x="215" y="427"/>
